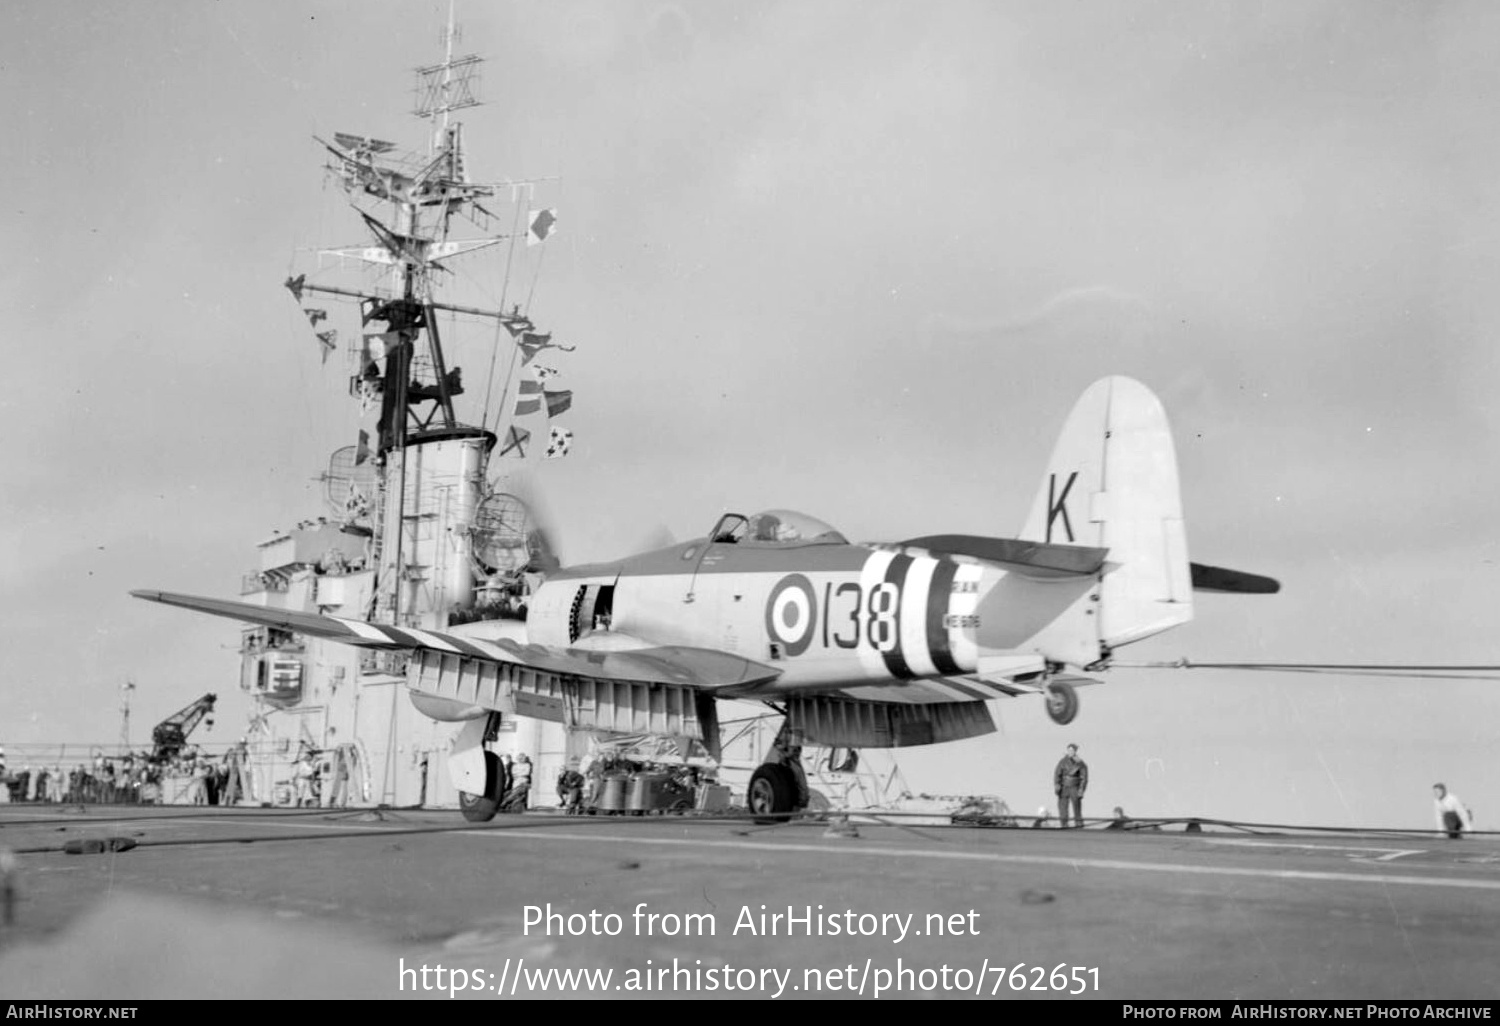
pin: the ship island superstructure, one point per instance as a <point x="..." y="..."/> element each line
<point x="422" y="527"/>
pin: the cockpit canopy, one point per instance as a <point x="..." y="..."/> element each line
<point x="776" y="527"/>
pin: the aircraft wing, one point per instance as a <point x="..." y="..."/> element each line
<point x="621" y="684"/>
<point x="648" y="664"/>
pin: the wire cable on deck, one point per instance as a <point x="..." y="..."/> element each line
<point x="756" y="825"/>
<point x="1402" y="670"/>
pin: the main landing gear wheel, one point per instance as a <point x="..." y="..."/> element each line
<point x="481" y="808"/>
<point x="772" y="793"/>
<point x="1062" y="703"/>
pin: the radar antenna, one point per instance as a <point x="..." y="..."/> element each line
<point x="350" y="484"/>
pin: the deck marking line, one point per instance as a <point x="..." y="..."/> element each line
<point x="1027" y="860"/>
<point x="1391" y="854"/>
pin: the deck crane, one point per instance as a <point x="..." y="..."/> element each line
<point x="170" y="735"/>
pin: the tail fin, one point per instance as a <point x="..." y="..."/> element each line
<point x="1112" y="483"/>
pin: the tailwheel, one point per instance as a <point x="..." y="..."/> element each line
<point x="1062" y="702"/>
<point x="481" y="808"/>
<point x="772" y="794"/>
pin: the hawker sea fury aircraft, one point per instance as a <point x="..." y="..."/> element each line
<point x="868" y="645"/>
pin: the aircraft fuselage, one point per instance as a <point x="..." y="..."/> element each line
<point x="823" y="613"/>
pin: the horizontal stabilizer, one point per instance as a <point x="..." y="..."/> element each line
<point x="1216" y="578"/>
<point x="1041" y="559"/>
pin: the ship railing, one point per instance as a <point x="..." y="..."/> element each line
<point x="89" y="787"/>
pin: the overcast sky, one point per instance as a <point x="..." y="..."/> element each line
<point x="854" y="258"/>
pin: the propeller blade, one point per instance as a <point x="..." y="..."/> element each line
<point x="542" y="557"/>
<point x="659" y="537"/>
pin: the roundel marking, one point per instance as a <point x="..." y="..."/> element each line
<point x="792" y="613"/>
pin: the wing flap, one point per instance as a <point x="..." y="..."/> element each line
<point x="840" y="722"/>
<point x="632" y="706"/>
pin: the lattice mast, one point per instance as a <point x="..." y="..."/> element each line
<point x="432" y="466"/>
<point x="408" y="206"/>
<point x="424" y="201"/>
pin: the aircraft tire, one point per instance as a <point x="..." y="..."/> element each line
<point x="773" y="790"/>
<point x="1062" y="703"/>
<point x="481" y="808"/>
